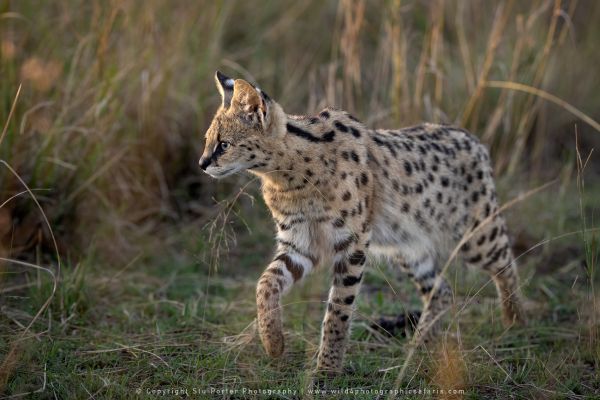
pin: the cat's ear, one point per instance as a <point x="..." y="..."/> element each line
<point x="225" y="87"/>
<point x="251" y="101"/>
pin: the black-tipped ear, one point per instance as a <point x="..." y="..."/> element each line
<point x="225" y="87"/>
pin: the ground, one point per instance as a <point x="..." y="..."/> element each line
<point x="187" y="322"/>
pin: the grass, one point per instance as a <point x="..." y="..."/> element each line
<point x="160" y="324"/>
<point x="102" y="109"/>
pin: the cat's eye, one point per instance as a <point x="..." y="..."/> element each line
<point x="225" y="145"/>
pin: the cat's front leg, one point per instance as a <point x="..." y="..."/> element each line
<point x="288" y="267"/>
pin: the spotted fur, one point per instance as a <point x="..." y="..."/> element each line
<point x="338" y="191"/>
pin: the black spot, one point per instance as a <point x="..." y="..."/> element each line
<point x="344" y="318"/>
<point x="338" y="223"/>
<point x="354" y="156"/>
<point x="364" y="179"/>
<point x="309" y="172"/>
<point x="419" y="188"/>
<point x="343" y="245"/>
<point x="276" y="271"/>
<point x="307" y="159"/>
<point x="467" y="145"/>
<point x="425" y="289"/>
<point x="346" y="196"/>
<point x="324" y="114"/>
<point x="296" y="270"/>
<point x="352" y="280"/>
<point x="295" y="221"/>
<point x="487" y="210"/>
<point x="475" y="197"/>
<point x="474" y="259"/>
<point x="493" y="234"/>
<point x="445" y="181"/>
<point x="456" y="144"/>
<point x="380" y="142"/>
<point x="407" y="168"/>
<point x="496" y="256"/>
<point x="494" y="249"/>
<point x="341" y="127"/>
<point x="345" y="155"/>
<point x="358" y="257"/>
<point x="355" y="132"/>
<point x="405" y="207"/>
<point x="349" y="300"/>
<point x="340" y="267"/>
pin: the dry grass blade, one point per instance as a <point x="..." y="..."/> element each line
<point x="16" y="195"/>
<point x="10" y="114"/>
<point x="400" y="80"/>
<point x="502" y="14"/>
<point x="464" y="48"/>
<point x="546" y="96"/>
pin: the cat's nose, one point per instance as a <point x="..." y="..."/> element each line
<point x="204" y="162"/>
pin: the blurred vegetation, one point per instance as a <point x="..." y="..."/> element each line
<point x="116" y="95"/>
<point x="103" y="106"/>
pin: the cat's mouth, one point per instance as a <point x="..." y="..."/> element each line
<point x="219" y="173"/>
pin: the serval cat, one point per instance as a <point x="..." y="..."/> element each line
<point x="338" y="191"/>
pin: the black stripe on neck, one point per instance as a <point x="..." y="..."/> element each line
<point x="328" y="137"/>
